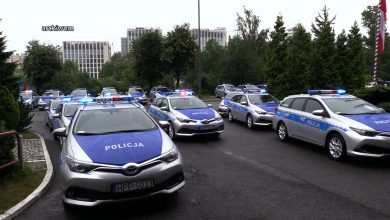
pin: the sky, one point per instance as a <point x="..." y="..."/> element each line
<point x="108" y="20"/>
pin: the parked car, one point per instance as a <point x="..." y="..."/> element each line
<point x="225" y="89"/>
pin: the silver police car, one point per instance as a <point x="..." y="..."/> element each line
<point x="344" y="124"/>
<point x="187" y="115"/>
<point x="115" y="152"/>
<point x="255" y="109"/>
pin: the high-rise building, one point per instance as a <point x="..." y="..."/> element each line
<point x="219" y="34"/>
<point x="89" y="55"/>
<point x="133" y="34"/>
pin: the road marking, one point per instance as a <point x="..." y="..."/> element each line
<point x="264" y="167"/>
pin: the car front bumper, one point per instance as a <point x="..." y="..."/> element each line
<point x="198" y="128"/>
<point x="222" y="110"/>
<point x="262" y="119"/>
<point x="365" y="146"/>
<point x="95" y="187"/>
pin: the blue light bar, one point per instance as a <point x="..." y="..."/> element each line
<point x="333" y="91"/>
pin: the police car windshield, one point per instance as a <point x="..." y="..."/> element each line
<point x="187" y="103"/>
<point x="135" y="90"/>
<point x="262" y="99"/>
<point x="25" y="95"/>
<point x="70" y="109"/>
<point x="351" y="106"/>
<point x="163" y="90"/>
<point x="112" y="120"/>
<point x="79" y="93"/>
<point x="230" y="88"/>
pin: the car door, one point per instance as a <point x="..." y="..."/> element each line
<point x="57" y="123"/>
<point x="243" y="109"/>
<point x="220" y="91"/>
<point x="155" y="108"/>
<point x="234" y="106"/>
<point x="312" y="130"/>
<point x="296" y="117"/>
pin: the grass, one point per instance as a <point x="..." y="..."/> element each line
<point x="29" y="135"/>
<point x="16" y="184"/>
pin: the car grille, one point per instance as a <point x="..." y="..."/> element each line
<point x="371" y="149"/>
<point x="120" y="170"/>
<point x="193" y="131"/>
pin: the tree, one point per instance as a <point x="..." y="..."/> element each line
<point x="341" y="61"/>
<point x="147" y="51"/>
<point x="41" y="64"/>
<point x="64" y="79"/>
<point x="277" y="58"/>
<point x="322" y="67"/>
<point x="9" y="111"/>
<point x="299" y="49"/>
<point x="7" y="69"/>
<point x="356" y="58"/>
<point x="179" y="51"/>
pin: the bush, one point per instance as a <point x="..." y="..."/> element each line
<point x="9" y="111"/>
<point x="385" y="106"/>
<point x="374" y="95"/>
<point x="6" y="146"/>
<point x="25" y="117"/>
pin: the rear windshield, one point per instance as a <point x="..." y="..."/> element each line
<point x="79" y="93"/>
<point x="113" y="120"/>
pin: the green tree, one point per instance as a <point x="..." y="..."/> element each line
<point x="64" y="79"/>
<point x="341" y="61"/>
<point x="356" y="58"/>
<point x="41" y="64"/>
<point x="322" y="67"/>
<point x="179" y="51"/>
<point x="147" y="51"/>
<point x="299" y="48"/>
<point x="277" y="58"/>
<point x="9" y="111"/>
<point x="7" y="69"/>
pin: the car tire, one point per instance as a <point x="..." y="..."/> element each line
<point x="249" y="121"/>
<point x="282" y="131"/>
<point x="230" y="116"/>
<point x="336" y="147"/>
<point x="171" y="131"/>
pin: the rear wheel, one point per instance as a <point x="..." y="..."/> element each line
<point x="282" y="131"/>
<point x="336" y="147"/>
<point x="249" y="121"/>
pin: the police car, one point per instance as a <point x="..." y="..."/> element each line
<point x="138" y="94"/>
<point x="222" y="108"/>
<point x="30" y="98"/>
<point x="64" y="113"/>
<point x="344" y="124"/>
<point x="79" y="93"/>
<point x="50" y="110"/>
<point x="249" y="88"/>
<point x="225" y="89"/>
<point x="256" y="109"/>
<point x="47" y="96"/>
<point x="187" y="115"/>
<point x="109" y="91"/>
<point x="159" y="91"/>
<point x="115" y="152"/>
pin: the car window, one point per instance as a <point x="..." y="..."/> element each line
<point x="262" y="99"/>
<point x="298" y="104"/>
<point x="70" y="109"/>
<point x="313" y="105"/>
<point x="286" y="103"/>
<point x="164" y="103"/>
<point x="243" y="99"/>
<point x="236" y="98"/>
<point x="59" y="109"/>
<point x="351" y="106"/>
<point x="158" y="102"/>
<point x="187" y="103"/>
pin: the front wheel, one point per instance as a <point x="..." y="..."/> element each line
<point x="282" y="131"/>
<point x="171" y="131"/>
<point x="249" y="121"/>
<point x="336" y="147"/>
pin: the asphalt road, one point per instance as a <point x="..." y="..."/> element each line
<point x="245" y="174"/>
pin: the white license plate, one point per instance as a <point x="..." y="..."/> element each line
<point x="206" y="127"/>
<point x="125" y="187"/>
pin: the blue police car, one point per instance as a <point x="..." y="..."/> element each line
<point x="159" y="91"/>
<point x="50" y="110"/>
<point x="47" y="96"/>
<point x="116" y="152"/>
<point x="138" y="94"/>
<point x="187" y="115"/>
<point x="344" y="124"/>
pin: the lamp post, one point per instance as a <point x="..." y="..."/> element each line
<point x="199" y="79"/>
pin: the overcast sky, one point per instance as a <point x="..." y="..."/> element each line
<point x="108" y="20"/>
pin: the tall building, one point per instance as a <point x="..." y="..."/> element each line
<point x="89" y="55"/>
<point x="133" y="34"/>
<point x="219" y="34"/>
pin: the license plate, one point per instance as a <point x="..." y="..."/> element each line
<point x="137" y="185"/>
<point x="206" y="127"/>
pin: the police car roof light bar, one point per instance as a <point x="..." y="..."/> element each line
<point x="333" y="91"/>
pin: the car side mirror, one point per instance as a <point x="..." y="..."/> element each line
<point x="164" y="108"/>
<point x="56" y="115"/>
<point x="321" y="113"/>
<point x="210" y="105"/>
<point x="163" y="124"/>
<point x="244" y="103"/>
<point x="61" y="132"/>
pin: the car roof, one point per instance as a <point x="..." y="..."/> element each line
<point x="321" y="96"/>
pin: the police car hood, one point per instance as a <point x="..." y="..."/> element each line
<point x="198" y="113"/>
<point x="378" y="122"/>
<point x="119" y="148"/>
<point x="270" y="107"/>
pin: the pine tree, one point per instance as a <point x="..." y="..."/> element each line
<point x="7" y="69"/>
<point x="356" y="57"/>
<point x="341" y="61"/>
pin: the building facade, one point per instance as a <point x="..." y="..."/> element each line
<point x="17" y="59"/>
<point x="89" y="55"/>
<point x="218" y="34"/>
<point x="132" y="35"/>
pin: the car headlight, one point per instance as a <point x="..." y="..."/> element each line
<point x="79" y="167"/>
<point x="185" y="120"/>
<point x="365" y="132"/>
<point x="218" y="118"/>
<point x="172" y="155"/>
<point x="260" y="112"/>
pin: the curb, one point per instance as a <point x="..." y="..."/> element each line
<point x="38" y="192"/>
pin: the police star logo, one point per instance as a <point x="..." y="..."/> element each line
<point x="131" y="169"/>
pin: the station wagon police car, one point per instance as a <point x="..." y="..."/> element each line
<point x="114" y="152"/>
<point x="64" y="113"/>
<point x="256" y="109"/>
<point x="344" y="124"/>
<point x="159" y="91"/>
<point x="187" y="115"/>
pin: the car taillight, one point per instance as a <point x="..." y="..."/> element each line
<point x="116" y="99"/>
